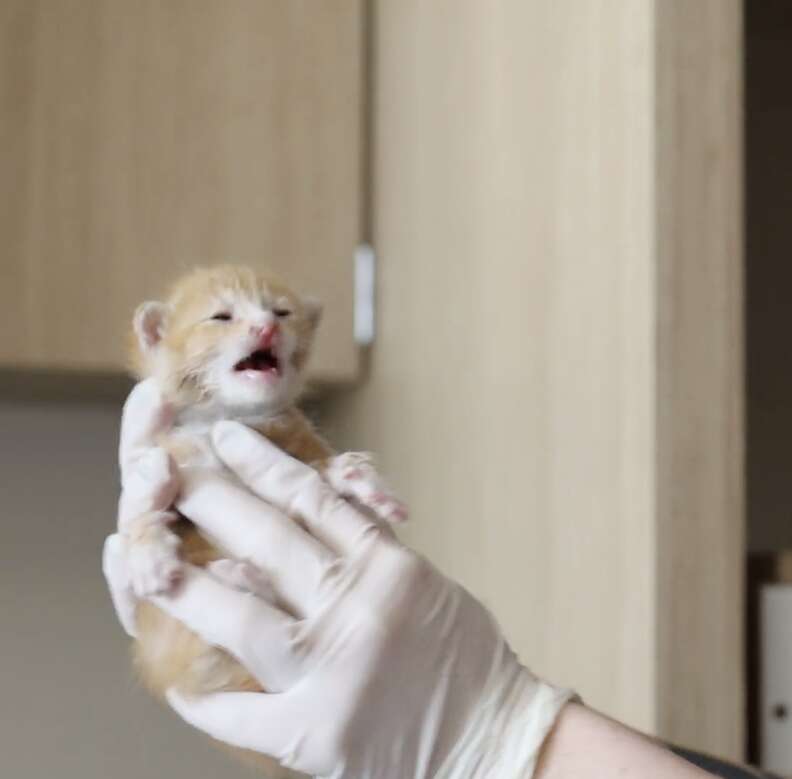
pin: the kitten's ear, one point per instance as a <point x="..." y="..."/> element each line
<point x="313" y="310"/>
<point x="149" y="324"/>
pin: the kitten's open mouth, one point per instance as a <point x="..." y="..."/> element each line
<point x="262" y="360"/>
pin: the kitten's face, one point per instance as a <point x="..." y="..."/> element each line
<point x="228" y="337"/>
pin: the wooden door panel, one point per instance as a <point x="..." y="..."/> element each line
<point x="142" y="138"/>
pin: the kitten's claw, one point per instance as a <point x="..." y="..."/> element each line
<point x="242" y="576"/>
<point x="353" y="475"/>
<point x="154" y="564"/>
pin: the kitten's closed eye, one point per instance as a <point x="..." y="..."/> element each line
<point x="281" y="312"/>
<point x="222" y="316"/>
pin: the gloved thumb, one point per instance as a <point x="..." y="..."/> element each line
<point x="262" y="722"/>
<point x="114" y="566"/>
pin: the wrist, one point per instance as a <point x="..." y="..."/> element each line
<point x="505" y="736"/>
<point x="585" y="744"/>
<point x="523" y="726"/>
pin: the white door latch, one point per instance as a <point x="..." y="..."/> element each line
<point x="365" y="282"/>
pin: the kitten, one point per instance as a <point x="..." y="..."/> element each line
<point x="228" y="343"/>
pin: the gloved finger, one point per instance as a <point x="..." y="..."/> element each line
<point x="294" y="487"/>
<point x="151" y="484"/>
<point x="116" y="573"/>
<point x="268" y="724"/>
<point x="146" y="414"/>
<point x="249" y="529"/>
<point x="243" y="576"/>
<point x="255" y="632"/>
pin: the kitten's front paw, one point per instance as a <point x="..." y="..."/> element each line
<point x="353" y="475"/>
<point x="154" y="564"/>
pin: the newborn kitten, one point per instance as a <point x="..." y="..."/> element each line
<point x="228" y="343"/>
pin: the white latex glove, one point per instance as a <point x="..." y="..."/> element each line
<point x="387" y="669"/>
<point x="149" y="482"/>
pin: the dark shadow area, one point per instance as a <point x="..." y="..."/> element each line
<point x="768" y="315"/>
<point x="768" y="146"/>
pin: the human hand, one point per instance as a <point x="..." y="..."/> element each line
<point x="149" y="484"/>
<point x="386" y="668"/>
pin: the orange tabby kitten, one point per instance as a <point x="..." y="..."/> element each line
<point x="227" y="344"/>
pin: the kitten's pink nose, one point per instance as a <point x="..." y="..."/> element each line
<point x="266" y="334"/>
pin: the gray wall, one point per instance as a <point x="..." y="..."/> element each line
<point x="69" y="707"/>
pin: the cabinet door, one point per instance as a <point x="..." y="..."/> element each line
<point x="140" y="138"/>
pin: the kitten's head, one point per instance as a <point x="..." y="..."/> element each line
<point x="227" y="337"/>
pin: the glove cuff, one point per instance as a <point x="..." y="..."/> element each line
<point x="505" y="738"/>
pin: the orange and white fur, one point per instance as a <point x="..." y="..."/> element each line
<point x="228" y="343"/>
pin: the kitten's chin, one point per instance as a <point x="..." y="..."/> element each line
<point x="247" y="391"/>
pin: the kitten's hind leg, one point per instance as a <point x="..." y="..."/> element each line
<point x="354" y="475"/>
<point x="153" y="553"/>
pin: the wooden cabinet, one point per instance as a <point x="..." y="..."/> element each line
<point x="140" y="138"/>
<point x="556" y="388"/>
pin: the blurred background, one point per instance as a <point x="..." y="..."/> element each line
<point x="557" y="195"/>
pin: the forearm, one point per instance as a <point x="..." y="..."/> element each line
<point x="587" y="745"/>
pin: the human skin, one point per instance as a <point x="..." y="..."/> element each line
<point x="585" y="744"/>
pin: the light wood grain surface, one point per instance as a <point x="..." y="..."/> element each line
<point x="700" y="435"/>
<point x="529" y="263"/>
<point x="140" y="138"/>
<point x="511" y="390"/>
